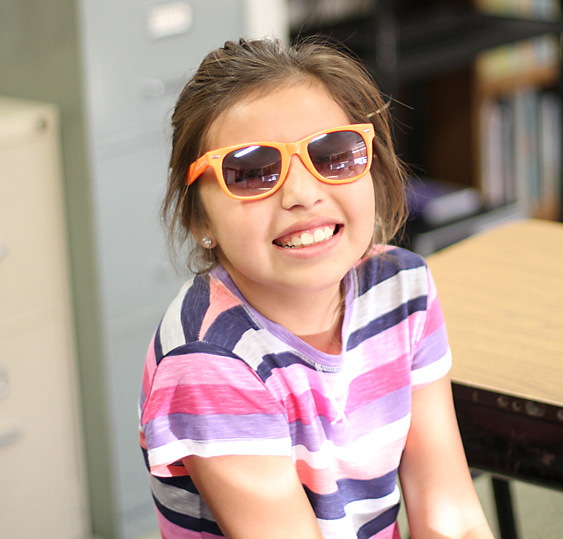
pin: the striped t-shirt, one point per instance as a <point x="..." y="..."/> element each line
<point x="220" y="379"/>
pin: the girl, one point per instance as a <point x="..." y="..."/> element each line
<point x="304" y="368"/>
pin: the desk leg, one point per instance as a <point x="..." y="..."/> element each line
<point x="505" y="513"/>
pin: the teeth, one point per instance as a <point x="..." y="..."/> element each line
<point x="308" y="238"/>
<point x="319" y="235"/>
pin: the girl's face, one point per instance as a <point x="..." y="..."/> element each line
<point x="252" y="236"/>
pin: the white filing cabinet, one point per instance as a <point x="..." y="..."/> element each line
<point x="41" y="487"/>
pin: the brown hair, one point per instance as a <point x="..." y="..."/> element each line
<point x="235" y="71"/>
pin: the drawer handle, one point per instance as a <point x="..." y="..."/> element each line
<point x="10" y="436"/>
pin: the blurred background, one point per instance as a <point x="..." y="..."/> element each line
<point x="86" y="92"/>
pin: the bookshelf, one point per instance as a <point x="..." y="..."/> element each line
<point x="517" y="125"/>
<point x="476" y="91"/>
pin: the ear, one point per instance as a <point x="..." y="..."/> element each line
<point x="199" y="223"/>
<point x="208" y="243"/>
<point x="204" y="236"/>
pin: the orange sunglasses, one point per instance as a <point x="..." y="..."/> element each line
<point x="258" y="169"/>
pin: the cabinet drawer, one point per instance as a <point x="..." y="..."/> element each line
<point x="39" y="454"/>
<point x="138" y="64"/>
<point x="32" y="252"/>
<point x="135" y="274"/>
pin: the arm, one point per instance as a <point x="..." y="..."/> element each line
<point x="439" y="495"/>
<point x="254" y="496"/>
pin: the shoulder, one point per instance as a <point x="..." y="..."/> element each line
<point x="389" y="266"/>
<point x="198" y="318"/>
<point x="391" y="296"/>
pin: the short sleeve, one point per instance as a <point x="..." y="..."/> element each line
<point x="432" y="357"/>
<point x="208" y="404"/>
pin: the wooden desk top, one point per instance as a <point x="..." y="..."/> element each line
<point x="502" y="296"/>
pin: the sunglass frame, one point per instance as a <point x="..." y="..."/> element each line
<point x="214" y="159"/>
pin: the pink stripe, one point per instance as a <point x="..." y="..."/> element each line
<point x="392" y="343"/>
<point x="210" y="370"/>
<point x="168" y="470"/>
<point x="391" y="532"/>
<point x="389" y="377"/>
<point x="323" y="480"/>
<point x="171" y="531"/>
<point x="220" y="300"/>
<point x="307" y="407"/>
<point x="435" y="318"/>
<point x="207" y="399"/>
<point x="434" y="313"/>
<point x="366" y="364"/>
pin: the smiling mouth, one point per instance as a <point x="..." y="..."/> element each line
<point x="308" y="238"/>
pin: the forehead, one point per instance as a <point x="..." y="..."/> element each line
<point x="282" y="113"/>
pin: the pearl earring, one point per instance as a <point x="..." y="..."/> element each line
<point x="207" y="242"/>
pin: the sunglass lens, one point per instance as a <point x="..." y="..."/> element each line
<point x="252" y="170"/>
<point x="340" y="155"/>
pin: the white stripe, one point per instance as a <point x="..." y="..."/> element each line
<point x="432" y="372"/>
<point x="179" y="449"/>
<point x="357" y="455"/>
<point x="362" y="511"/>
<point x="388" y="295"/>
<point x="179" y="500"/>
<point x="337" y="529"/>
<point x="358" y="514"/>
<point x="255" y="344"/>
<point x="171" y="330"/>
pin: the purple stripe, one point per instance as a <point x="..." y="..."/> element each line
<point x="431" y="348"/>
<point x="167" y="429"/>
<point x="387" y="321"/>
<point x="380" y="413"/>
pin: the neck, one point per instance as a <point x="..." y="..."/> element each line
<point x="318" y="323"/>
<point x="328" y="341"/>
<point x="313" y="316"/>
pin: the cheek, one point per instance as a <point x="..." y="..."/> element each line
<point x="212" y="201"/>
<point x="237" y="227"/>
<point x="363" y="205"/>
<point x="364" y="216"/>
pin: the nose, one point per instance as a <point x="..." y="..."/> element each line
<point x="300" y="188"/>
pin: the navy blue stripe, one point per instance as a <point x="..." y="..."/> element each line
<point x="158" y="345"/>
<point x="229" y="327"/>
<point x="358" y="489"/>
<point x="200" y="347"/>
<point x="331" y="506"/>
<point x="380" y="523"/>
<point x="387" y="321"/>
<point x="146" y="457"/>
<point x="278" y="361"/>
<point x="194" y="307"/>
<point x="187" y="522"/>
<point x="379" y="268"/>
<point x="183" y="482"/>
